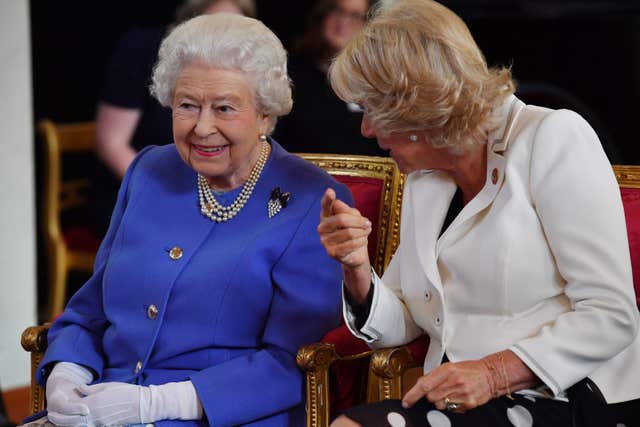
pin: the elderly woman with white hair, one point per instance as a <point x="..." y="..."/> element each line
<point x="513" y="257"/>
<point x="212" y="274"/>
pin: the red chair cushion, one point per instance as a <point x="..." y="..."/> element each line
<point x="631" y="202"/>
<point x="348" y="379"/>
<point x="80" y="239"/>
<point x="367" y="193"/>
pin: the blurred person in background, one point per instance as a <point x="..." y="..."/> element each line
<point x="320" y="122"/>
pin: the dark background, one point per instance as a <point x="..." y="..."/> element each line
<point x="583" y="54"/>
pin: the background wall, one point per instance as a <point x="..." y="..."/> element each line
<point x="17" y="223"/>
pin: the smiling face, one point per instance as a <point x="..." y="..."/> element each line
<point x="216" y="126"/>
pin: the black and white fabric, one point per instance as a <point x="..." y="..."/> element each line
<point x="522" y="411"/>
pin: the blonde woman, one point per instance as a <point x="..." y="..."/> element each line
<point x="513" y="257"/>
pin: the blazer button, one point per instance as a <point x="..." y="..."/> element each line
<point x="438" y="320"/>
<point x="427" y="296"/>
<point x="175" y="253"/>
<point x="494" y="175"/>
<point x="152" y="311"/>
<point x="138" y="367"/>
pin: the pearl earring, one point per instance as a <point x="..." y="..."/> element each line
<point x="413" y="137"/>
<point x="263" y="137"/>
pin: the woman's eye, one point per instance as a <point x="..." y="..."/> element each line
<point x="188" y="106"/>
<point x="225" y="108"/>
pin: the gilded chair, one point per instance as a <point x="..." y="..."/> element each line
<point x="398" y="368"/>
<point x="68" y="246"/>
<point x="337" y="368"/>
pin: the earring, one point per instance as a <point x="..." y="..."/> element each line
<point x="263" y="137"/>
<point x="413" y="137"/>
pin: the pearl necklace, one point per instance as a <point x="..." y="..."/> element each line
<point x="213" y="210"/>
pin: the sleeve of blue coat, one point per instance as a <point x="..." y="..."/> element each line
<point x="306" y="305"/>
<point x="77" y="334"/>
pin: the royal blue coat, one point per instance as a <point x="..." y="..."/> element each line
<point x="229" y="314"/>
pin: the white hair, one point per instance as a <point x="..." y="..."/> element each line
<point x="233" y="42"/>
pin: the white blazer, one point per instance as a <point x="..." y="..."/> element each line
<point x="538" y="262"/>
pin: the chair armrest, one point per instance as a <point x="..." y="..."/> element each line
<point x="34" y="340"/>
<point x="314" y="359"/>
<point x="317" y="360"/>
<point x="389" y="366"/>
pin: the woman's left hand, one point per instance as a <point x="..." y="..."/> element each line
<point x="464" y="384"/>
<point x="116" y="403"/>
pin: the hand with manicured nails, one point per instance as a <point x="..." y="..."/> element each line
<point x="344" y="234"/>
<point x="468" y="384"/>
<point x="472" y="383"/>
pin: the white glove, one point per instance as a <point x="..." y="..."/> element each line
<point x="64" y="403"/>
<point x="118" y="403"/>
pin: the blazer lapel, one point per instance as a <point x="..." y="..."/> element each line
<point x="497" y="145"/>
<point x="431" y="194"/>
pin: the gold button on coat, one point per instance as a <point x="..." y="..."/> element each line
<point x="152" y="311"/>
<point x="138" y="366"/>
<point x="494" y="175"/>
<point x="175" y="253"/>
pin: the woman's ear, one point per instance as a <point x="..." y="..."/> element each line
<point x="264" y="122"/>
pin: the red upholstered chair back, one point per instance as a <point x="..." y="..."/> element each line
<point x="376" y="185"/>
<point x="69" y="246"/>
<point x="367" y="198"/>
<point x="629" y="180"/>
<point x="338" y="367"/>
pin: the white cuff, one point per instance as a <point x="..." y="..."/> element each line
<point x="172" y="401"/>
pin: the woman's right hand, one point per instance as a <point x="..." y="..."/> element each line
<point x="64" y="401"/>
<point x="344" y="234"/>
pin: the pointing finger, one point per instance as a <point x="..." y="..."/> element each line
<point x="327" y="203"/>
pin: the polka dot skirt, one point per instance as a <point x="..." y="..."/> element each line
<point x="523" y="411"/>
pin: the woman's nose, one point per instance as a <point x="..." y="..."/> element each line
<point x="366" y="129"/>
<point x="206" y="124"/>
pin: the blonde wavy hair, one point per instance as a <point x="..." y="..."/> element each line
<point x="415" y="66"/>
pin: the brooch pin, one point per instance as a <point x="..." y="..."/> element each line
<point x="277" y="201"/>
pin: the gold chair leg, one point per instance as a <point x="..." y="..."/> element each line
<point x="34" y="340"/>
<point x="315" y="360"/>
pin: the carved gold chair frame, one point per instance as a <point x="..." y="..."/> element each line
<point x="57" y="195"/>
<point x="316" y="359"/>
